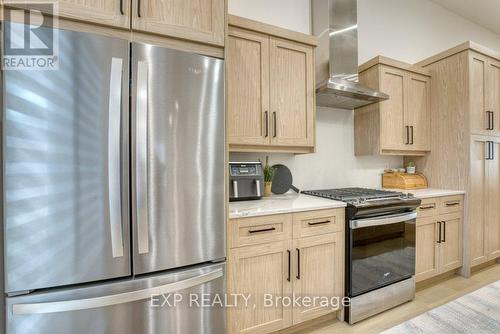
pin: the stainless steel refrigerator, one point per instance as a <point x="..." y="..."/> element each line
<point x="113" y="190"/>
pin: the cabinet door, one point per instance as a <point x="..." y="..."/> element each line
<point x="393" y="134"/>
<point x="427" y="249"/>
<point x="477" y="201"/>
<point x="478" y="84"/>
<point x="108" y="12"/>
<point x="196" y="20"/>
<point x="493" y="206"/>
<point x="247" y="77"/>
<point x="417" y="113"/>
<point x="259" y="270"/>
<point x="451" y="242"/>
<point x="292" y="93"/>
<point x="493" y="95"/>
<point x="318" y="273"/>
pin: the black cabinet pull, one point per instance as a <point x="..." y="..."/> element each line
<point x="491" y="150"/>
<point x="138" y="8"/>
<point x="266" y="117"/>
<point x="298" y="263"/>
<point x="319" y="223"/>
<point x="263" y="230"/>
<point x="439" y="234"/>
<point x="412" y="142"/>
<point x="491" y="120"/>
<point x="121" y="8"/>
<point x="444" y="231"/>
<point x="453" y="204"/>
<point x="289" y="264"/>
<point x="274" y="123"/>
<point x="407" y="135"/>
<point x="433" y="206"/>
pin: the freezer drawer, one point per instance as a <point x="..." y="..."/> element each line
<point x="126" y="307"/>
<point x="65" y="162"/>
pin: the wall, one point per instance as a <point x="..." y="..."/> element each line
<point x="408" y="30"/>
<point x="415" y="29"/>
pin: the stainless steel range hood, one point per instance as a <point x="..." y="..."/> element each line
<point x="334" y="22"/>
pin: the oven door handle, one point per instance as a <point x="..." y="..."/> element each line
<point x="385" y="220"/>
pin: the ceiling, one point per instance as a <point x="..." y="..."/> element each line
<point x="482" y="12"/>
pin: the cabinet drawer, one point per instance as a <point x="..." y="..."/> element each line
<point x="428" y="208"/>
<point x="258" y="230"/>
<point x="451" y="204"/>
<point x="311" y="223"/>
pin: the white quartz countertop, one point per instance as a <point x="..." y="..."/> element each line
<point x="277" y="204"/>
<point x="431" y="192"/>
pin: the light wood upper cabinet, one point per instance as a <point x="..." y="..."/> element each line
<point x="493" y="95"/>
<point x="392" y="119"/>
<point x="418" y="112"/>
<point x="196" y="20"/>
<point x="259" y="270"/>
<point x="114" y="13"/>
<point x="270" y="88"/>
<point x="485" y="94"/>
<point x="401" y="124"/>
<point x="318" y="258"/>
<point x="292" y="93"/>
<point x="247" y="74"/>
<point x="439" y="238"/>
<point x="478" y="65"/>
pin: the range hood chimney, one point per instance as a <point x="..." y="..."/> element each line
<point x="335" y="23"/>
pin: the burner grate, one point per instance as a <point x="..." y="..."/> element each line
<point x="348" y="194"/>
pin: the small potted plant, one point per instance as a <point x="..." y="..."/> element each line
<point x="268" y="178"/>
<point x="410" y="167"/>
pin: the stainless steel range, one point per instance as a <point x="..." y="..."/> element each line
<point x="380" y="248"/>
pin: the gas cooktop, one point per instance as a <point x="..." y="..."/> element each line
<point x="358" y="195"/>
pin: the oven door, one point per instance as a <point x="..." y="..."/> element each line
<point x="382" y="251"/>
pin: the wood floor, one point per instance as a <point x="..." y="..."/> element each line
<point x="426" y="299"/>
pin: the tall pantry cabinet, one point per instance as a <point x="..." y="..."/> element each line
<point x="465" y="145"/>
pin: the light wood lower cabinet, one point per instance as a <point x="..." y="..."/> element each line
<point x="259" y="270"/>
<point x="439" y="242"/>
<point x="317" y="273"/>
<point x="427" y="246"/>
<point x="484" y="212"/>
<point x="310" y="265"/>
<point x="451" y="244"/>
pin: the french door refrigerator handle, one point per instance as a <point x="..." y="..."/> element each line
<point x="384" y="220"/>
<point x="114" y="157"/>
<point x="141" y="171"/>
<point x="116" y="299"/>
